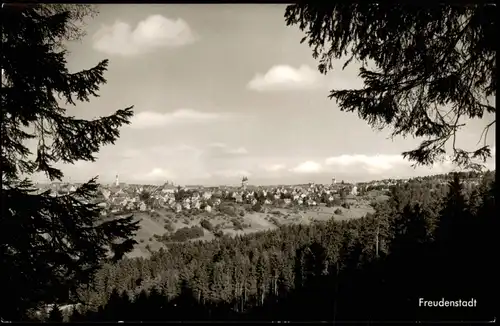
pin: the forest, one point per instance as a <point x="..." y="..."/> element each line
<point x="418" y="244"/>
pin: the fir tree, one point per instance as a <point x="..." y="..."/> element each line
<point x="55" y="315"/>
<point x="424" y="68"/>
<point x="50" y="244"/>
<point x="454" y="213"/>
<point x="76" y="316"/>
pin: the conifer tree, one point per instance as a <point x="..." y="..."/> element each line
<point x="76" y="316"/>
<point x="50" y="244"/>
<point x="426" y="69"/>
<point x="454" y="213"/>
<point x="55" y="315"/>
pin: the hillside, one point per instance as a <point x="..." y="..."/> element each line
<point x="153" y="224"/>
<point x="162" y="214"/>
<point x="374" y="267"/>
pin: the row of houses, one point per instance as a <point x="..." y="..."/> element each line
<point x="179" y="199"/>
<point x="119" y="197"/>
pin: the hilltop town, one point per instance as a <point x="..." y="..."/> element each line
<point x="174" y="213"/>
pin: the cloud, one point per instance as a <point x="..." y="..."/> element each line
<point x="373" y="164"/>
<point x="284" y="77"/>
<point x="274" y="167"/>
<point x="221" y="150"/>
<point x="383" y="165"/>
<point x="187" y="150"/>
<point x="183" y="163"/>
<point x="307" y="167"/>
<point x="155" y="174"/>
<point x="229" y="173"/>
<point x="150" y="34"/>
<point x="131" y="153"/>
<point x="239" y="151"/>
<point x="150" y="119"/>
<point x="161" y="152"/>
<point x="221" y="157"/>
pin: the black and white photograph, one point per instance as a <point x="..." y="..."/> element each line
<point x="219" y="162"/>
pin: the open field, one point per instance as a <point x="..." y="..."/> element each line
<point x="149" y="227"/>
<point x="162" y="222"/>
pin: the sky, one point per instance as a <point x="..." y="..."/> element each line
<point x="222" y="91"/>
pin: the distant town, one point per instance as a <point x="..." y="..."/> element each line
<point x="121" y="197"/>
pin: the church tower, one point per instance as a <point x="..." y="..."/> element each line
<point x="117" y="182"/>
<point x="244" y="183"/>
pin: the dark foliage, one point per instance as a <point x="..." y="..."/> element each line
<point x="257" y="207"/>
<point x="237" y="224"/>
<point x="207" y="225"/>
<point x="228" y="209"/>
<point x="346" y="205"/>
<point x="375" y="268"/>
<point x="425" y="68"/>
<point x="50" y="244"/>
<point x="145" y="196"/>
<point x="55" y="315"/>
<point x="186" y="233"/>
<point x="169" y="226"/>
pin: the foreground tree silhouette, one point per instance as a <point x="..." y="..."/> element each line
<point x="55" y="315"/>
<point x="434" y="67"/>
<point x="50" y="245"/>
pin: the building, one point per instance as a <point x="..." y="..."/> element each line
<point x="117" y="181"/>
<point x="244" y="183"/>
<point x="334" y="181"/>
<point x="168" y="188"/>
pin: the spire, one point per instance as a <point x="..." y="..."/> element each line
<point x="244" y="182"/>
